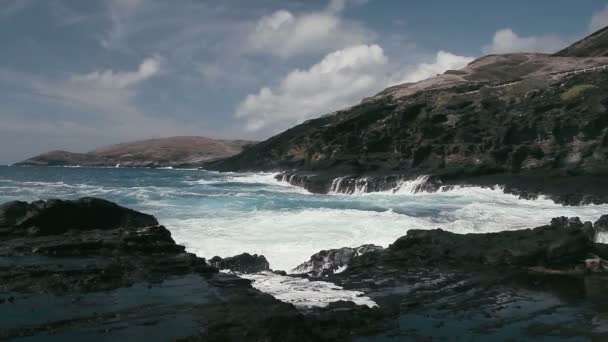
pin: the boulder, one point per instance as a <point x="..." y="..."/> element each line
<point x="11" y="212"/>
<point x="242" y="263"/>
<point x="58" y="216"/>
<point x="332" y="261"/>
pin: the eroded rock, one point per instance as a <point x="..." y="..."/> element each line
<point x="332" y="261"/>
<point x="242" y="263"/>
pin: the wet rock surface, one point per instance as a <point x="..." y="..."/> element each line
<point x="516" y="285"/>
<point x="92" y="270"/>
<point x="113" y="276"/>
<point x="332" y="261"/>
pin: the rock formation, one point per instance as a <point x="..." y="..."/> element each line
<point x="243" y="263"/>
<point x="92" y="269"/>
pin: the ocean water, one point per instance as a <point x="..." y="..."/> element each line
<point x="230" y="213"/>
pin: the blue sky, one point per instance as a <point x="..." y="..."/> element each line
<point x="78" y="74"/>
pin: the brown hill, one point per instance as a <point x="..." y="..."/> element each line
<point x="162" y="152"/>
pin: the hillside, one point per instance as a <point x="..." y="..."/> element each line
<point x="594" y="45"/>
<point x="162" y="152"/>
<point x="534" y="122"/>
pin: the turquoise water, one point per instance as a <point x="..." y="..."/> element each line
<point x="230" y="213"/>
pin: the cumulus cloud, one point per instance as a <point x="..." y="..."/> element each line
<point x="507" y="41"/>
<point x="285" y="35"/>
<point x="443" y="61"/>
<point x="119" y="80"/>
<point x="599" y="20"/>
<point x="340" y="79"/>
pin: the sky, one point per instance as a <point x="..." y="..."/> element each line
<point x="76" y="75"/>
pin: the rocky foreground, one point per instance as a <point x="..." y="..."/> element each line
<point x="92" y="270"/>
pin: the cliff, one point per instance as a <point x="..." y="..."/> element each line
<point x="516" y="118"/>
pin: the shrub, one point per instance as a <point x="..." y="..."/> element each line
<point x="576" y="91"/>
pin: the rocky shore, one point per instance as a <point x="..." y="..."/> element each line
<point x="90" y="269"/>
<point x="568" y="190"/>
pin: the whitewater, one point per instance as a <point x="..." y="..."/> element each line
<point x="226" y="214"/>
<point x="230" y="213"/>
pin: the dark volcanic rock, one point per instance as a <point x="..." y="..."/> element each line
<point x="97" y="271"/>
<point x="57" y="216"/>
<point x="514" y="285"/>
<point x="242" y="263"/>
<point x="564" y="243"/>
<point x="327" y="262"/>
<point x="601" y="225"/>
<point x="12" y="212"/>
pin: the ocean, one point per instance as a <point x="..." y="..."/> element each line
<point x="226" y="214"/>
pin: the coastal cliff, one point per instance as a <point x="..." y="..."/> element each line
<point x="534" y="123"/>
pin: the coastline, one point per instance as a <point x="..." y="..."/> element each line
<point x="423" y="278"/>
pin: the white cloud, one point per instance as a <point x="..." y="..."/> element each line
<point x="443" y="61"/>
<point x="507" y="41"/>
<point x="107" y="93"/>
<point x="101" y="105"/>
<point x="285" y="35"/>
<point x="340" y="79"/>
<point x="599" y="20"/>
<point x="119" y="80"/>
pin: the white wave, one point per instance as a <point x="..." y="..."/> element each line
<point x="335" y="187"/>
<point x="360" y="187"/>
<point x="602" y="237"/>
<point x="268" y="179"/>
<point x="288" y="237"/>
<point x="409" y="187"/>
<point x="341" y="269"/>
<point x="303" y="292"/>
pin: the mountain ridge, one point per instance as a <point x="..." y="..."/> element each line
<point x="179" y="151"/>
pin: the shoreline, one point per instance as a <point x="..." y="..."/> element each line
<point x="423" y="278"/>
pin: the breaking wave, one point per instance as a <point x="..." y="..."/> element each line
<point x="304" y="293"/>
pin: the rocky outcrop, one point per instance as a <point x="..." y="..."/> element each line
<point x="162" y="152"/>
<point x="59" y="216"/>
<point x="534" y="124"/>
<point x="92" y="269"/>
<point x="328" y="262"/>
<point x="541" y="283"/>
<point x="564" y="245"/>
<point x="242" y="263"/>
